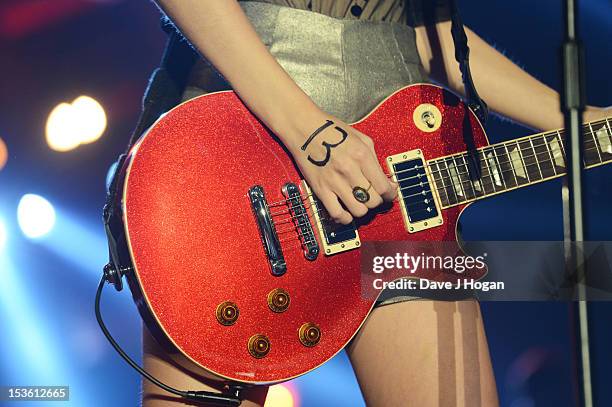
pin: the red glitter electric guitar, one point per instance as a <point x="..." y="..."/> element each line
<point x="233" y="262"/>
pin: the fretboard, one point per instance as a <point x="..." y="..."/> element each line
<point x="516" y="163"/>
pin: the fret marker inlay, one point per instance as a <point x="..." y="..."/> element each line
<point x="517" y="163"/>
<point x="455" y="178"/>
<point x="604" y="140"/>
<point x="555" y="147"/>
<point x="493" y="166"/>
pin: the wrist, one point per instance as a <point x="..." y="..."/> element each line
<point x="295" y="125"/>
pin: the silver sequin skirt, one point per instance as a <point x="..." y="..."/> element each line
<point x="347" y="67"/>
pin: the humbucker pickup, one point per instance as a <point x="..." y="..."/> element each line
<point x="335" y="237"/>
<point x="418" y="201"/>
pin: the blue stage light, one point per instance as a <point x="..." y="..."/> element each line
<point x="78" y="241"/>
<point x="35" y="215"/>
<point x="3" y="234"/>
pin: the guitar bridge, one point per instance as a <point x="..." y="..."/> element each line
<point x="418" y="201"/>
<point x="335" y="237"/>
<point x="299" y="217"/>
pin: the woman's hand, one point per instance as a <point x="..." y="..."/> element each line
<point x="220" y="30"/>
<point x="334" y="159"/>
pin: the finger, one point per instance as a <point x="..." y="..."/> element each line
<point x="345" y="192"/>
<point x="334" y="208"/>
<point x="386" y="188"/>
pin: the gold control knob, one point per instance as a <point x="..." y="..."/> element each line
<point x="310" y="334"/>
<point x="259" y="346"/>
<point x="227" y="313"/>
<point x="278" y="300"/>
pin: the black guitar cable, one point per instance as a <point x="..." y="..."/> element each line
<point x="200" y="396"/>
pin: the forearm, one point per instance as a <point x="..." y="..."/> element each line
<point x="507" y="89"/>
<point x="220" y="30"/>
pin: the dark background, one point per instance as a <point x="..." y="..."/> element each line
<point x="53" y="51"/>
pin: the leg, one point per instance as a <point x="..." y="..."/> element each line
<point x="157" y="362"/>
<point x="424" y="353"/>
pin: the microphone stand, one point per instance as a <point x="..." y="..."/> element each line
<point x="573" y="107"/>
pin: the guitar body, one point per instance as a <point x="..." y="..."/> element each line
<point x="194" y="241"/>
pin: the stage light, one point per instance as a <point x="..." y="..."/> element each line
<point x="70" y="124"/>
<point x="279" y="396"/>
<point x="3" y="235"/>
<point x="3" y="154"/>
<point x="35" y="215"/>
<point x="78" y="241"/>
<point x="92" y="118"/>
<point x="61" y="131"/>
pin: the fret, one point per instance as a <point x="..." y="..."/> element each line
<point x="451" y="182"/>
<point x="543" y="157"/>
<point x="444" y="199"/>
<point x="550" y="155"/>
<point x="604" y="136"/>
<point x="535" y="156"/>
<point x="503" y="174"/>
<point x="455" y="180"/>
<point x="604" y="141"/>
<point x="451" y="193"/>
<point x="464" y="178"/>
<point x="505" y="164"/>
<point x="511" y="164"/>
<point x="475" y="184"/>
<point x="596" y="145"/>
<point x="494" y="165"/>
<point x="590" y="150"/>
<point x="555" y="147"/>
<point x="530" y="160"/>
<point x="561" y="143"/>
<point x="520" y="169"/>
<point x="488" y="185"/>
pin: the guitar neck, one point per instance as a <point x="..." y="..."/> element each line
<point x="517" y="163"/>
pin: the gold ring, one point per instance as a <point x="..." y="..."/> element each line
<point x="361" y="194"/>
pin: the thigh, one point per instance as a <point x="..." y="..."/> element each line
<point x="179" y="375"/>
<point x="424" y="353"/>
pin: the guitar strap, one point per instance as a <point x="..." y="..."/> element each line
<point x="462" y="55"/>
<point x="163" y="92"/>
<point x="473" y="100"/>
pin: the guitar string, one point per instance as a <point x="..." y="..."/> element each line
<point x="484" y="159"/>
<point x="462" y="155"/>
<point x="500" y="170"/>
<point x="290" y="219"/>
<point x="310" y="234"/>
<point x="529" y="139"/>
<point x="492" y="184"/>
<point x="452" y="182"/>
<point x="483" y="182"/>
